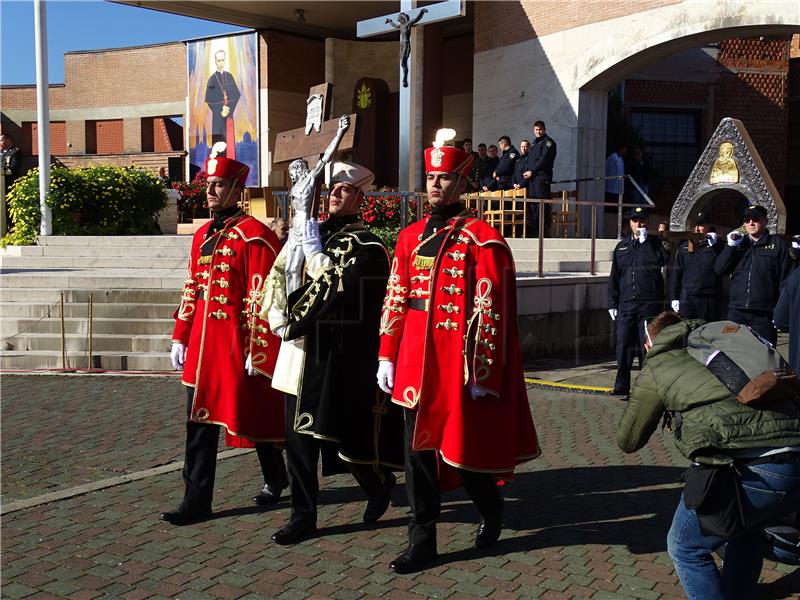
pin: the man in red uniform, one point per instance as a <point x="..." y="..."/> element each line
<point x="450" y="356"/>
<point x="226" y="351"/>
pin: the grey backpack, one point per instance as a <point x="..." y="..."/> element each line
<point x="749" y="366"/>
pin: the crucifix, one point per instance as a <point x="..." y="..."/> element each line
<point x="409" y="17"/>
<point x="311" y="149"/>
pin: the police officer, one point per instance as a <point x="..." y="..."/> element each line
<point x="504" y="171"/>
<point x="758" y="262"/>
<point x="487" y="169"/>
<point x="539" y="175"/>
<point x="635" y="291"/>
<point x="518" y="180"/>
<point x="694" y="288"/>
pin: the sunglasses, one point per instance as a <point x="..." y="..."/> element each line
<point x="752" y="219"/>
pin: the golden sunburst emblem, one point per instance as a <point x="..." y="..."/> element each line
<point x="364" y="97"/>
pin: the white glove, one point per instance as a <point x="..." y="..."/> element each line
<point x="312" y="243"/>
<point x="248" y="366"/>
<point x="386" y="376"/>
<point x="735" y="238"/>
<point x="612" y="312"/>
<point x="796" y="244"/>
<point x="641" y="234"/>
<point x="178" y="355"/>
<point x="476" y="391"/>
<point x="676" y="306"/>
<point x="712" y="239"/>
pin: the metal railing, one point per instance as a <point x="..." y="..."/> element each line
<point x="420" y="199"/>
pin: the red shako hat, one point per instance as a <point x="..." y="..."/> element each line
<point x="227" y="168"/>
<point x="447" y="158"/>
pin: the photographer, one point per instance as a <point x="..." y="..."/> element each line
<point x="746" y="460"/>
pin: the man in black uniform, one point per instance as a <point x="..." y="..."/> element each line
<point x="518" y="180"/>
<point x="635" y="291"/>
<point x="539" y="175"/>
<point x="757" y="263"/>
<point x="339" y="411"/>
<point x="487" y="169"/>
<point x="694" y="288"/>
<point x="504" y="171"/>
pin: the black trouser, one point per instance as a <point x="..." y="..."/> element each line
<point x="700" y="307"/>
<point x="630" y="337"/>
<point x="759" y="321"/>
<point x="422" y="487"/>
<point x="302" y="457"/>
<point x="200" y="466"/>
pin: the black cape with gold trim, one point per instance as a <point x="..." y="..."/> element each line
<point x="339" y="312"/>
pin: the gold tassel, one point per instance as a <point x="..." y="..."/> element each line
<point x="204" y="260"/>
<point x="424" y="262"/>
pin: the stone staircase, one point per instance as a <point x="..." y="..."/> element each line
<point x="565" y="256"/>
<point x="134" y="283"/>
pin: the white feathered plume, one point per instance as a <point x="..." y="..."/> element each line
<point x="217" y="149"/>
<point x="442" y="136"/>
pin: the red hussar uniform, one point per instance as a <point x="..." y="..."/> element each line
<point x="218" y="321"/>
<point x="450" y="356"/>
<point x="467" y="333"/>
<point x="227" y="353"/>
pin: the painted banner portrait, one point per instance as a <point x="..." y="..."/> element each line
<point x="223" y="100"/>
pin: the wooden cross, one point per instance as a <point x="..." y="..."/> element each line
<point x="411" y="17"/>
<point x="309" y="142"/>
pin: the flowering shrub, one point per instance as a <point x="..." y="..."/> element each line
<point x="101" y="200"/>
<point x="381" y="215"/>
<point x="193" y="196"/>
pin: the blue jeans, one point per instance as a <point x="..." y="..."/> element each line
<point x="767" y="491"/>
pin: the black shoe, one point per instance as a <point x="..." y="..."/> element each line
<point x="379" y="503"/>
<point x="269" y="494"/>
<point x="415" y="558"/>
<point x="489" y="531"/>
<point x="185" y="516"/>
<point x="295" y="531"/>
<point x="620" y="391"/>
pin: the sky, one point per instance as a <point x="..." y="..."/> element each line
<point x="88" y="25"/>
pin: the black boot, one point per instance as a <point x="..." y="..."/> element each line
<point x="416" y="558"/>
<point x="269" y="494"/>
<point x="186" y="515"/>
<point x="295" y="531"/>
<point x="379" y="503"/>
<point x="489" y="531"/>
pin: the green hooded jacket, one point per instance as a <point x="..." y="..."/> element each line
<point x="705" y="418"/>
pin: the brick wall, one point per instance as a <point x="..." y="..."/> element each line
<point x="24" y="96"/>
<point x="755" y="90"/>
<point x="499" y="24"/>
<point x="105" y="137"/>
<point x="29" y="144"/>
<point x="678" y="93"/>
<point x="125" y="76"/>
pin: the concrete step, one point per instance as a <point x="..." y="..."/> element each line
<point x="78" y="342"/>
<point x="560" y="243"/>
<point x="45" y="359"/>
<point x="566" y="266"/>
<point x="12" y="326"/>
<point x="115" y="296"/>
<point x="99" y="310"/>
<point x="93" y="262"/>
<point x="169" y="279"/>
<point x="97" y="251"/>
<point x="560" y="254"/>
<point x="125" y="241"/>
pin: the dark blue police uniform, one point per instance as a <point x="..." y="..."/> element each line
<point x="505" y="168"/>
<point x="540" y="160"/>
<point x="694" y="282"/>
<point x="636" y="290"/>
<point x="758" y="270"/>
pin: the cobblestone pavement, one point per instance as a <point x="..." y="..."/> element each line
<point x="583" y="521"/>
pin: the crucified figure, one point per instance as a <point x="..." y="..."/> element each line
<point x="304" y="185"/>
<point x="404" y="24"/>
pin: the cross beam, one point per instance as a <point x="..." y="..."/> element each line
<point x="413" y="17"/>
